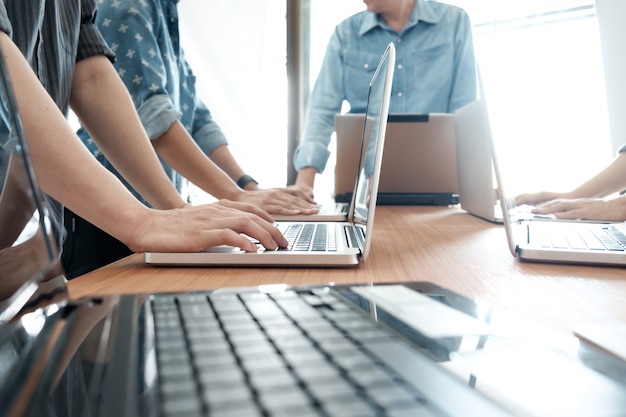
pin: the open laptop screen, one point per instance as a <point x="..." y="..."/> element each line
<point x="366" y="186"/>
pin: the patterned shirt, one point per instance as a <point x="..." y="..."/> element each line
<point x="150" y="61"/>
<point x="53" y="35"/>
<point x="435" y="71"/>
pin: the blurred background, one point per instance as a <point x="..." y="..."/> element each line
<point x="541" y="61"/>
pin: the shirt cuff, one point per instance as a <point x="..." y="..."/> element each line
<point x="157" y="115"/>
<point x="311" y="155"/>
<point x="91" y="43"/>
<point x="209" y="137"/>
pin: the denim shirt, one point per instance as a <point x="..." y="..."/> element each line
<point x="144" y="35"/>
<point x="435" y="71"/>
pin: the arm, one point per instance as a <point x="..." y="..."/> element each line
<point x="464" y="89"/>
<point x="222" y="157"/>
<point x="68" y="173"/>
<point x="16" y="206"/>
<point x="112" y="122"/>
<point x="325" y="101"/>
<point x="180" y="151"/>
<point x="586" y="208"/>
<point x="610" y="180"/>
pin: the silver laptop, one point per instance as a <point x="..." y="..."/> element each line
<point x="477" y="186"/>
<point x="334" y="211"/>
<point x="551" y="240"/>
<point x="419" y="164"/>
<point x="353" y="350"/>
<point x="319" y="243"/>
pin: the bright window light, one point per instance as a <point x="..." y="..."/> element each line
<point x="541" y="63"/>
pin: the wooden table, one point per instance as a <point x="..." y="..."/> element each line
<point x="444" y="245"/>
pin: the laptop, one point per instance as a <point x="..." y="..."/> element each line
<point x="541" y="239"/>
<point x="477" y="187"/>
<point x="419" y="163"/>
<point x="319" y="243"/>
<point x="271" y="351"/>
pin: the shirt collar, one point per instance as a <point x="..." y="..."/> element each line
<point x="422" y="10"/>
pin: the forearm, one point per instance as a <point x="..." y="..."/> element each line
<point x="306" y="177"/>
<point x="608" y="181"/>
<point x="113" y="123"/>
<point x="64" y="168"/>
<point x="179" y="150"/>
<point x="16" y="205"/>
<point x="226" y="161"/>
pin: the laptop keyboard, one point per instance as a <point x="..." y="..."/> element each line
<point x="595" y="238"/>
<point x="291" y="354"/>
<point x="316" y="237"/>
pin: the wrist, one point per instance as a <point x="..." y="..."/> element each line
<point x="246" y="182"/>
<point x="306" y="177"/>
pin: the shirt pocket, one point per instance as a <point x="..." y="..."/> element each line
<point x="359" y="68"/>
<point x="433" y="64"/>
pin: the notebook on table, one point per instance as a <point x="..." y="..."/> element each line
<point x="419" y="164"/>
<point x="551" y="240"/>
<point x="319" y="243"/>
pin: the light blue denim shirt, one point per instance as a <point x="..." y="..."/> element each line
<point x="144" y="35"/>
<point x="435" y="71"/>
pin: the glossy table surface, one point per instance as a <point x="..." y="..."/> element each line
<point x="443" y="245"/>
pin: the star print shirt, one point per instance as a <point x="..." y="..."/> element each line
<point x="150" y="61"/>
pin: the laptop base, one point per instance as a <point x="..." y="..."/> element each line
<point x="409" y="199"/>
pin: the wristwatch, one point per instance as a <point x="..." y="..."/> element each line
<point x="241" y="182"/>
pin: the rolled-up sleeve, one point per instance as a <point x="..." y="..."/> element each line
<point x="157" y="114"/>
<point x="205" y="131"/>
<point x="141" y="65"/>
<point x="90" y="40"/>
<point x="5" y="24"/>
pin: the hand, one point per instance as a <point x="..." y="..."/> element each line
<point x="534" y="199"/>
<point x="277" y="201"/>
<point x="302" y="191"/>
<point x="585" y="208"/>
<point x="192" y="229"/>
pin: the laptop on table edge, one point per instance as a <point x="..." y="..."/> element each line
<point x="352" y="239"/>
<point x="527" y="235"/>
<point x="419" y="164"/>
<point x="477" y="188"/>
<point x="477" y="185"/>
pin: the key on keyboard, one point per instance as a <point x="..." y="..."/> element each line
<point x="289" y="354"/>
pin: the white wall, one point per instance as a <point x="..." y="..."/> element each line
<point x="611" y="18"/>
<point x="237" y="51"/>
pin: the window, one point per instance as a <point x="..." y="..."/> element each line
<point x="542" y="69"/>
<point x="540" y="59"/>
<point x="237" y="51"/>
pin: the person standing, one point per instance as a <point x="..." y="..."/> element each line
<point x="435" y="70"/>
<point x="56" y="58"/>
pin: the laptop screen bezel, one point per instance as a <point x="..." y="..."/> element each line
<point x="384" y="73"/>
